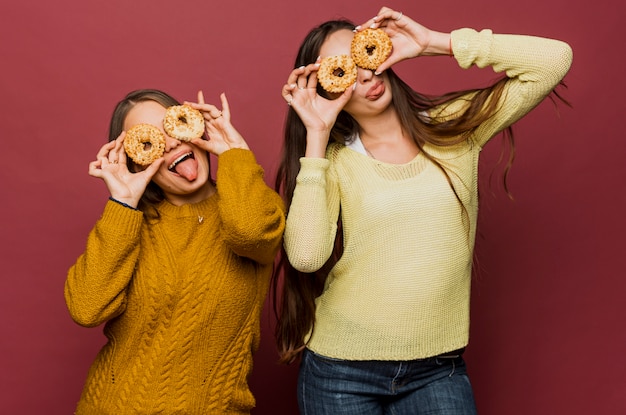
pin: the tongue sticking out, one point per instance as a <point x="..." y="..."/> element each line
<point x="188" y="169"/>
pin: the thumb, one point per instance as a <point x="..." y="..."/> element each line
<point x="385" y="65"/>
<point x="154" y="167"/>
<point x="345" y="96"/>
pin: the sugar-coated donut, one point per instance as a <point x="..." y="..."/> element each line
<point x="370" y="48"/>
<point x="144" y="143"/>
<point x="183" y="122"/>
<point x="336" y="73"/>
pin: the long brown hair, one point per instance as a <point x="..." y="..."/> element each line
<point x="153" y="194"/>
<point x="295" y="293"/>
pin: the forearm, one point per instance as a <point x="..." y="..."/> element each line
<point x="534" y="66"/>
<point x="316" y="143"/>
<point x="95" y="288"/>
<point x="312" y="218"/>
<point x="528" y="58"/>
<point x="252" y="214"/>
<point x="440" y="43"/>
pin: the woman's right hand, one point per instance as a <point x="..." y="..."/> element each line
<point x="110" y="165"/>
<point x="409" y="38"/>
<point x="317" y="113"/>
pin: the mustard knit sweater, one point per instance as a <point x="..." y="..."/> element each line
<point x="401" y="290"/>
<point x="181" y="297"/>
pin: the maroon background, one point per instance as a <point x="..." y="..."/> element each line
<point x="548" y="315"/>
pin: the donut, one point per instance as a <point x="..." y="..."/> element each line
<point x="336" y="73"/>
<point x="370" y="48"/>
<point x="144" y="143"/>
<point x="183" y="122"/>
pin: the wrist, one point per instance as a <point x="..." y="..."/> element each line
<point x="130" y="205"/>
<point x="316" y="143"/>
<point x="440" y="44"/>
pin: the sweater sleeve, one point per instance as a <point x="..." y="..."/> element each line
<point x="95" y="287"/>
<point x="252" y="214"/>
<point x="534" y="66"/>
<point x="312" y="219"/>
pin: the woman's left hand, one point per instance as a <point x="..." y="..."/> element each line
<point x="222" y="135"/>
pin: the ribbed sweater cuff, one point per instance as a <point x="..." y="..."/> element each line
<point x="123" y="220"/>
<point x="471" y="47"/>
<point x="312" y="170"/>
<point x="237" y="155"/>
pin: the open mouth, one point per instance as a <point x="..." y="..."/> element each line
<point x="183" y="157"/>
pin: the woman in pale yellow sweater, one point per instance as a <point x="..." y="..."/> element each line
<point x="378" y="309"/>
<point x="177" y="268"/>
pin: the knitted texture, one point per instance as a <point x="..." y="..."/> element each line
<point x="181" y="297"/>
<point x="401" y="290"/>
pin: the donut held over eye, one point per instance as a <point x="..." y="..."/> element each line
<point x="144" y="143"/>
<point x="370" y="48"/>
<point x="336" y="73"/>
<point x="183" y="122"/>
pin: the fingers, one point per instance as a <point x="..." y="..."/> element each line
<point x="300" y="79"/>
<point x="112" y="152"/>
<point x="312" y="79"/>
<point x="105" y="149"/>
<point x="95" y="168"/>
<point x="118" y="154"/>
<point x="151" y="170"/>
<point x="201" y="143"/>
<point x="385" y="15"/>
<point x="345" y="96"/>
<point x="212" y="114"/>
<point x="115" y="155"/>
<point x="209" y="111"/>
<point x="225" y="106"/>
<point x="382" y="19"/>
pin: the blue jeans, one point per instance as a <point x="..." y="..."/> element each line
<point x="434" y="386"/>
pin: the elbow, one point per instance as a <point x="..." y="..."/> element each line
<point x="568" y="52"/>
<point x="92" y="313"/>
<point x="305" y="263"/>
<point x="260" y="245"/>
<point x="305" y="268"/>
<point x="564" y="57"/>
<point x="85" y="318"/>
<point x="303" y="257"/>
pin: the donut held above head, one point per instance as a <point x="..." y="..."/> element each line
<point x="144" y="143"/>
<point x="370" y="48"/>
<point x="183" y="122"/>
<point x="336" y="73"/>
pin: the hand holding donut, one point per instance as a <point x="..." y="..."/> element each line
<point x="110" y="166"/>
<point x="222" y="135"/>
<point x="409" y="38"/>
<point x="318" y="114"/>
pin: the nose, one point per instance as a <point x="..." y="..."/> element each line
<point x="364" y="75"/>
<point x="171" y="143"/>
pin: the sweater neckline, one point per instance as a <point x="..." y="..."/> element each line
<point x="188" y="210"/>
<point x="357" y="145"/>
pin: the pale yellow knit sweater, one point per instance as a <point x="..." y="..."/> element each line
<point x="401" y="290"/>
<point x="181" y="298"/>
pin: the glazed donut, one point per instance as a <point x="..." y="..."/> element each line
<point x="370" y="48"/>
<point x="144" y="143"/>
<point x="183" y="122"/>
<point x="336" y="73"/>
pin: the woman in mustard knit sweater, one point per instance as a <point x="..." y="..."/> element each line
<point x="381" y="187"/>
<point x="178" y="267"/>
